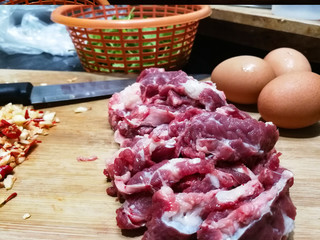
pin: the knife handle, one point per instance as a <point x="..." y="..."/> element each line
<point x="18" y="93"/>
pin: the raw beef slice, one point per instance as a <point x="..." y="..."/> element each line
<point x="192" y="166"/>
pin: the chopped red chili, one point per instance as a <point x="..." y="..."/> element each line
<point x="26" y="114"/>
<point x="5" y="170"/>
<point x="38" y="119"/>
<point x="4" y="123"/>
<point x="87" y="159"/>
<point x="12" y="196"/>
<point x="11" y="131"/>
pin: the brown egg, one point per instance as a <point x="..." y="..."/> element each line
<point x="285" y="60"/>
<point x="242" y="78"/>
<point x="291" y="100"/>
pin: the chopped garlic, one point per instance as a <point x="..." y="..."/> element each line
<point x="34" y="114"/>
<point x="20" y="127"/>
<point x="5" y="157"/>
<point x="72" y="79"/>
<point x="46" y="124"/>
<point x="81" y="109"/>
<point x="18" y="119"/>
<point x="26" y="216"/>
<point x="49" y="116"/>
<point x="9" y="181"/>
<point x="24" y="135"/>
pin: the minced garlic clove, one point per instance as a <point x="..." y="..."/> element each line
<point x="9" y="181"/>
<point x="81" y="109"/>
<point x="26" y="216"/>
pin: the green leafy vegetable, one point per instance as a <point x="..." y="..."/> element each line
<point x="111" y="51"/>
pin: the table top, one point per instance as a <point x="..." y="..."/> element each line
<point x="67" y="198"/>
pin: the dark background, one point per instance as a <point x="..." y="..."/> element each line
<point x="207" y="52"/>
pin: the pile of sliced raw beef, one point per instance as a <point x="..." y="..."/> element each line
<point x="192" y="166"/>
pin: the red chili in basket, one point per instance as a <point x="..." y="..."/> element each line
<point x="5" y="170"/>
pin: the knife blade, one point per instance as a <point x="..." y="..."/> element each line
<point x="53" y="95"/>
<point x="49" y="95"/>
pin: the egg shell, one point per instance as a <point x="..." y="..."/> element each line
<point x="291" y="100"/>
<point x="285" y="60"/>
<point x="242" y="78"/>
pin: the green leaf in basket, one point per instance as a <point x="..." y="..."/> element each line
<point x="110" y="44"/>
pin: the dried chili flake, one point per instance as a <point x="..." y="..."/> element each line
<point x="11" y="131"/>
<point x="12" y="196"/>
<point x="87" y="159"/>
<point x="5" y="170"/>
<point x="26" y="114"/>
<point x="38" y="119"/>
<point x="4" y="123"/>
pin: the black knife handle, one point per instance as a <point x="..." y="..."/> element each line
<point x="17" y="93"/>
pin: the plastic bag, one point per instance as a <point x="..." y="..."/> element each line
<point x="29" y="30"/>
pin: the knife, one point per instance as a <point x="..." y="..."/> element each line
<point x="52" y="95"/>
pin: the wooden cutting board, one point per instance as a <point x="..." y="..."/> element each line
<point x="66" y="198"/>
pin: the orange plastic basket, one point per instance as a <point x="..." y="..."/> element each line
<point x="156" y="36"/>
<point x="54" y="2"/>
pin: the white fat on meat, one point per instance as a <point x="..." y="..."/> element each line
<point x="157" y="117"/>
<point x="118" y="138"/>
<point x="184" y="222"/>
<point x="129" y="97"/>
<point x="288" y="224"/>
<point x="214" y="180"/>
<point x="243" y="169"/>
<point x="174" y="170"/>
<point x="171" y="143"/>
<point x="269" y="123"/>
<point x="123" y="178"/>
<point x="147" y="176"/>
<point x="167" y="143"/>
<point x="194" y="88"/>
<point x="187" y="218"/>
<point x="231" y="227"/>
<point x="242" y="191"/>
<point x="256" y="148"/>
<point x="225" y="144"/>
<point x="135" y="122"/>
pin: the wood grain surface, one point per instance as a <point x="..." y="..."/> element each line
<point x="66" y="198"/>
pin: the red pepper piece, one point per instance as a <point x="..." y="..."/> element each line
<point x="11" y="131"/>
<point x="4" y="123"/>
<point x="5" y="170"/>
<point x="38" y="119"/>
<point x="12" y="196"/>
<point x="26" y="114"/>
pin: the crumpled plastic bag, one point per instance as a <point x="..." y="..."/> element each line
<point x="33" y="35"/>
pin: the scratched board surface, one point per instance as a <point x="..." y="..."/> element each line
<point x="67" y="199"/>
